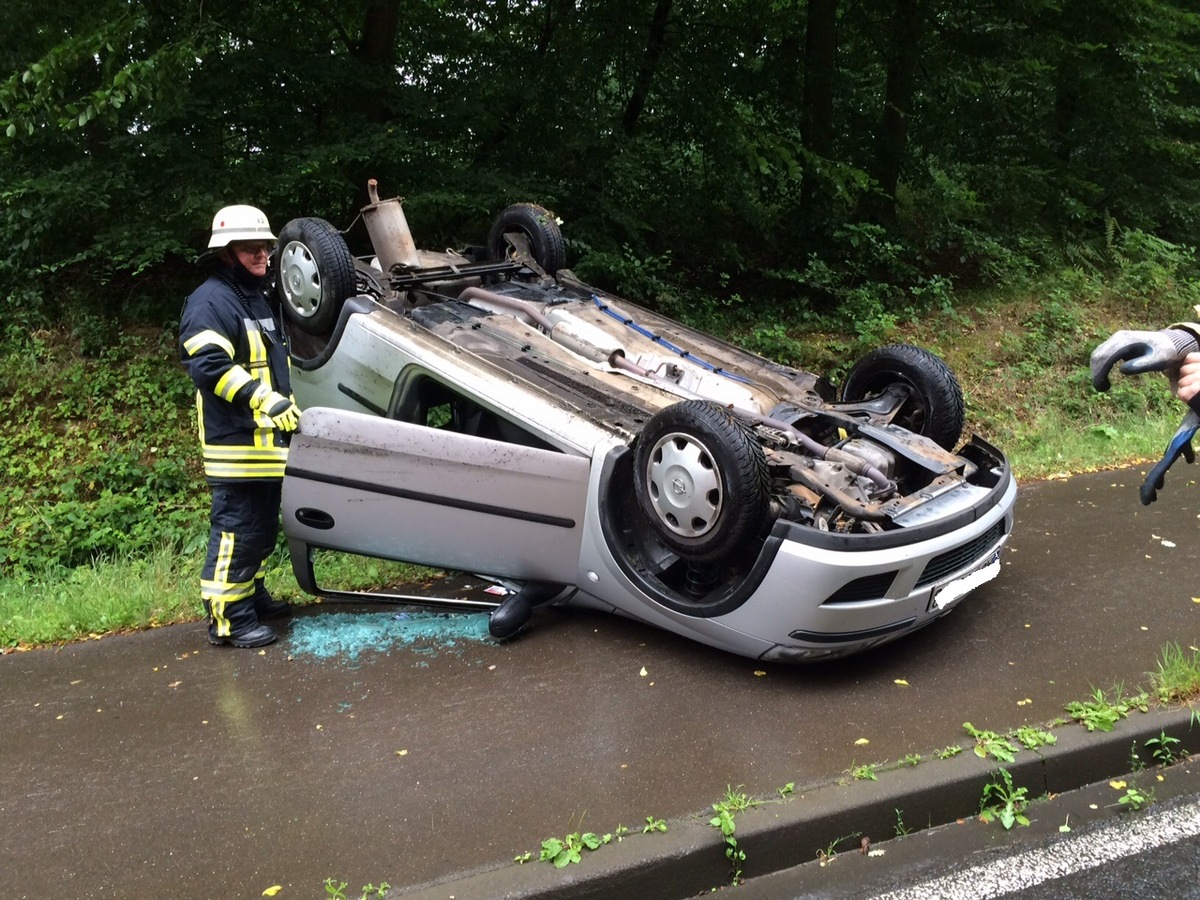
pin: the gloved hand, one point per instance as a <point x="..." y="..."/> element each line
<point x="284" y="413"/>
<point x="281" y="410"/>
<point x="1180" y="445"/>
<point x="1138" y="352"/>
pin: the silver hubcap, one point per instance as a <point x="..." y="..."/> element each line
<point x="684" y="485"/>
<point x="300" y="279"/>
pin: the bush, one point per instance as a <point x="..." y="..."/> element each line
<point x="105" y="460"/>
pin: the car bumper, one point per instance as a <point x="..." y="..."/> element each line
<point x="822" y="598"/>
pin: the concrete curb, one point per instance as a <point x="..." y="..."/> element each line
<point x="689" y="859"/>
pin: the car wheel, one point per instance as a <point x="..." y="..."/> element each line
<point x="701" y="478"/>
<point x="934" y="407"/>
<point x="316" y="273"/>
<point x="536" y="225"/>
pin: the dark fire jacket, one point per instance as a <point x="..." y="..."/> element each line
<point x="229" y="343"/>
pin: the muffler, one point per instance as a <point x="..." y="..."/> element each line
<point x="390" y="236"/>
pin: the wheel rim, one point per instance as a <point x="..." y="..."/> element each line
<point x="301" y="279"/>
<point x="685" y="488"/>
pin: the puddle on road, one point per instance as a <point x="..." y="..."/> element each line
<point x="345" y="636"/>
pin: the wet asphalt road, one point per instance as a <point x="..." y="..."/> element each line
<point x="154" y="765"/>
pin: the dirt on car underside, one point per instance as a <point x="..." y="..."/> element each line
<point x="679" y="363"/>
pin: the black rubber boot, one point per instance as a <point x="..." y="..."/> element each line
<point x="510" y="616"/>
<point x="241" y="625"/>
<point x="258" y="636"/>
<point x="266" y="606"/>
<point x="515" y="612"/>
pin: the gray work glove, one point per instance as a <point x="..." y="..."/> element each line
<point x="1140" y="351"/>
<point x="1181" y="445"/>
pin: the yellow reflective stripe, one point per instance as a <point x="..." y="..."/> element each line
<point x="209" y="338"/>
<point x="230" y="453"/>
<point x="234" y="379"/>
<point x="259" y="396"/>
<point x="264" y="426"/>
<point x="217" y="608"/>
<point x="233" y="470"/>
<point x="219" y="591"/>
<point x="244" y="462"/>
<point x="217" y="604"/>
<point x="223" y="592"/>
<point x="224" y="556"/>
<point x="258" y="355"/>
<point x="200" y="417"/>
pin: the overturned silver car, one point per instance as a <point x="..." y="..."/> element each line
<point x="485" y="411"/>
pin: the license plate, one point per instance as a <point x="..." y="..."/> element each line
<point x="950" y="593"/>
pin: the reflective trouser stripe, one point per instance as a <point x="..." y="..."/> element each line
<point x="218" y="590"/>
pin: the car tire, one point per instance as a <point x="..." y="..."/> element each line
<point x="700" y="477"/>
<point x="935" y="409"/>
<point x="315" y="273"/>
<point x="539" y="226"/>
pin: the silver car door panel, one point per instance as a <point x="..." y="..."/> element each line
<point x="380" y="487"/>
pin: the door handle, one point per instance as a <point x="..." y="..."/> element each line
<point x="314" y="518"/>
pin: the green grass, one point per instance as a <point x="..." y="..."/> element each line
<point x="107" y="596"/>
<point x="1177" y="678"/>
<point x="1060" y="446"/>
<point x="129" y="593"/>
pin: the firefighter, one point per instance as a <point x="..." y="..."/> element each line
<point x="233" y="348"/>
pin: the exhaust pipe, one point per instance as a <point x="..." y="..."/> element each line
<point x="390" y="235"/>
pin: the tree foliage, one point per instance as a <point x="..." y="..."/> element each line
<point x="805" y="153"/>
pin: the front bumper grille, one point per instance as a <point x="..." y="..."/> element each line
<point x="961" y="557"/>
<point x="869" y="587"/>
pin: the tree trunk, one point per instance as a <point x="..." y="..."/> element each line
<point x="491" y="145"/>
<point x="892" y="139"/>
<point x="375" y="51"/>
<point x="380" y="24"/>
<point x="655" y="45"/>
<point x="820" y="68"/>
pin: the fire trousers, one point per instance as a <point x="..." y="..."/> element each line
<point x="243" y="528"/>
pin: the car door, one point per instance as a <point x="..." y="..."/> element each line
<point x="380" y="487"/>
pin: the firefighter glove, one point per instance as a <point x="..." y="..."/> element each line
<point x="285" y="414"/>
<point x="281" y="410"/>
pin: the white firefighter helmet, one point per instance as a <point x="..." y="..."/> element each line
<point x="239" y="223"/>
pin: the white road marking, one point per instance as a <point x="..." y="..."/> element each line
<point x="1118" y="839"/>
